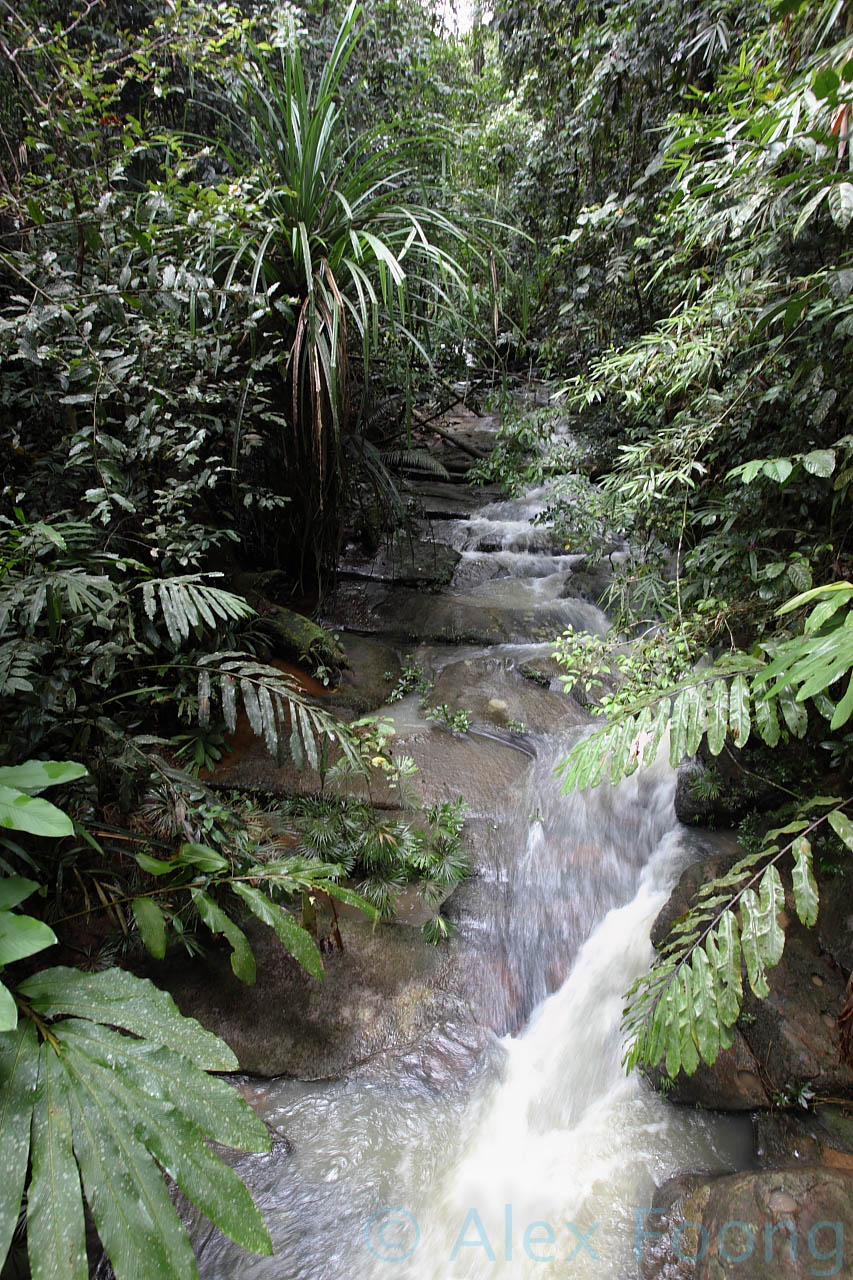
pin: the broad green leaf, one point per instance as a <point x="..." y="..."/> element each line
<point x="705" y="1014"/>
<point x="14" y="889"/>
<point x="841" y="204"/>
<point x="727" y="943"/>
<point x="203" y="857"/>
<point x="678" y="728"/>
<point x="125" y="1190"/>
<point x="796" y="717"/>
<point x="766" y="719"/>
<point x="120" y="999"/>
<point x="842" y="826"/>
<point x="749" y="934"/>
<point x="170" y="1137"/>
<point x="21" y="812"/>
<point x="36" y="775"/>
<point x="762" y="937"/>
<point x="826" y="82"/>
<point x="242" y="959"/>
<point x="799" y="575"/>
<point x="154" y="866"/>
<point x="695" y="726"/>
<point x="22" y="936"/>
<point x="718" y="716"/>
<point x="739" y="722"/>
<point x="778" y="469"/>
<point x="56" y="1235"/>
<point x="8" y="1010"/>
<point x="804" y="883"/>
<point x="212" y="1104"/>
<point x="624" y="734"/>
<point x="820" y="462"/>
<point x="689" y="1052"/>
<point x="843" y="711"/>
<point x="772" y="901"/>
<point x="18" y="1080"/>
<point x="673" y="1025"/>
<point x="151" y="924"/>
<point x="349" y="896"/>
<point x="297" y="940"/>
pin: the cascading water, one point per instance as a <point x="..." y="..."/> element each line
<point x="542" y="1158"/>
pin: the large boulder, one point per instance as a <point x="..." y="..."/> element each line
<point x="387" y="990"/>
<point x="784" y="1224"/>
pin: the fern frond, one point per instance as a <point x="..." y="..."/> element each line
<point x="414" y="459"/>
<point x="684" y="1010"/>
<point x="277" y="709"/>
<point x="189" y="603"/>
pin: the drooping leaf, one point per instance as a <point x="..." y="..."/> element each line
<point x="766" y="719"/>
<point x="56" y="1236"/>
<point x="15" y="889"/>
<point x="804" y="883"/>
<point x="151" y="924"/>
<point x="718" y="716"/>
<point x="739" y="721"/>
<point x="297" y="940"/>
<point x="842" y="826"/>
<point x="125" y="1190"/>
<point x="242" y="959"/>
<point x="705" y="1014"/>
<point x="18" y="1081"/>
<point x="8" y="1010"/>
<point x="22" y="936"/>
<point x="168" y="1135"/>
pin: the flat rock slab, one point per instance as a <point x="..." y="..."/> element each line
<point x="446" y="500"/>
<point x="373" y="668"/>
<point x="378" y="609"/>
<point x="415" y="560"/>
<point x="498" y="695"/>
<point x="476" y="767"/>
<point x="777" y="1225"/>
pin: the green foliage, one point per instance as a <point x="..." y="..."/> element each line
<point x="94" y="1094"/>
<point x="685" y="1009"/>
<point x="443" y="713"/>
<point x="384" y="855"/>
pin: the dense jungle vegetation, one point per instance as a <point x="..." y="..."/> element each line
<point x="241" y="244"/>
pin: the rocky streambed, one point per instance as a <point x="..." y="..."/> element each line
<point x="458" y="1110"/>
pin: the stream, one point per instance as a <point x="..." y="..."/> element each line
<point x="541" y="1156"/>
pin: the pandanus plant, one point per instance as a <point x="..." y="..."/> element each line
<point x="328" y="235"/>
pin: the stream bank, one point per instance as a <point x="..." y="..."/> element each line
<point x="485" y="1074"/>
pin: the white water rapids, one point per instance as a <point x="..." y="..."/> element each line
<point x="543" y="1160"/>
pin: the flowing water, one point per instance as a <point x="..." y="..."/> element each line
<point x="541" y="1159"/>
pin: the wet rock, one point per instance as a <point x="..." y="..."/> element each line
<point x="777" y="1225"/>
<point x="444" y="500"/>
<point x="496" y="694"/>
<point x="734" y="1083"/>
<point x="384" y="991"/>
<point x="413" y="615"/>
<point x="372" y="669"/>
<point x="409" y="560"/>
<point x="792" y="1033"/>
<point x="785" y="1139"/>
